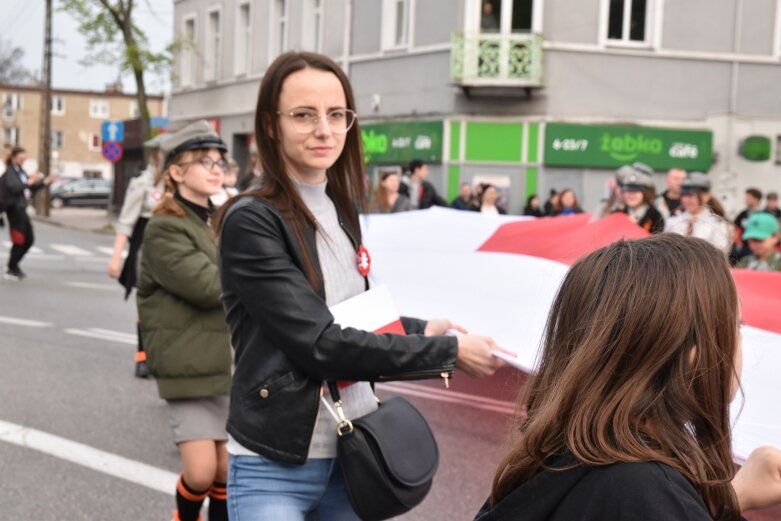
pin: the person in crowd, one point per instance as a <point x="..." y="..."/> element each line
<point x="669" y="202"/>
<point x="488" y="201"/>
<point x="386" y="197"/>
<point x="753" y="199"/>
<point x="288" y="251"/>
<point x="772" y="205"/>
<point x="714" y="204"/>
<point x="465" y="199"/>
<point x="489" y="23"/>
<point x="182" y="319"/>
<point x="143" y="193"/>
<point x="420" y="192"/>
<point x="20" y="187"/>
<point x="614" y="200"/>
<point x="628" y="414"/>
<point x="532" y="208"/>
<point x="252" y="176"/>
<point x="761" y="235"/>
<point x="228" y="189"/>
<point x="567" y="203"/>
<point x="697" y="219"/>
<point x="637" y="200"/>
<point x="552" y="202"/>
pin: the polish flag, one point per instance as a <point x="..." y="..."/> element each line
<point x="498" y="275"/>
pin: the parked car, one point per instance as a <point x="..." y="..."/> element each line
<point x="82" y="192"/>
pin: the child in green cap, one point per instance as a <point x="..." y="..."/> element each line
<point x="761" y="234"/>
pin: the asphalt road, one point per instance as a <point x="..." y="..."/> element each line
<point x="82" y="439"/>
<point x="68" y="372"/>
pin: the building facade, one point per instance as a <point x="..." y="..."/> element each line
<point x="76" y="119"/>
<point x="528" y="94"/>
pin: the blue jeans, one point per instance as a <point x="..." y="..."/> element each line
<point x="261" y="489"/>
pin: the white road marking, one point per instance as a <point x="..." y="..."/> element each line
<point x="69" y="249"/>
<point x="112" y="336"/>
<point x="90" y="285"/>
<point x="109" y="251"/>
<point x="109" y="332"/>
<point x="477" y="402"/>
<point x="112" y="464"/>
<point x="34" y="249"/>
<point x="23" y="322"/>
<point x="91" y="259"/>
<point x="42" y="257"/>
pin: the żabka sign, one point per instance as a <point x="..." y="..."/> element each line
<point x="608" y="146"/>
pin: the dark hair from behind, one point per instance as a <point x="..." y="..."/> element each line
<point x="415" y="164"/>
<point x="346" y="180"/>
<point x="637" y="365"/>
<point x="756" y="193"/>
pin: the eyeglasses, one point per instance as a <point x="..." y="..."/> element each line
<point x="307" y="120"/>
<point x="209" y="163"/>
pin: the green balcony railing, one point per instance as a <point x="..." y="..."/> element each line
<point x="496" y="60"/>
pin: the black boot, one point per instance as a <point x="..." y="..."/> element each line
<point x="142" y="371"/>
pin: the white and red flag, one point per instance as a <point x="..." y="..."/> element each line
<point x="498" y="275"/>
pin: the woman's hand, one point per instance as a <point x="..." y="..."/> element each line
<point x="114" y="267"/>
<point x="758" y="482"/>
<point x="440" y="326"/>
<point x="475" y="356"/>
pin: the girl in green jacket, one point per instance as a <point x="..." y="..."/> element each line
<point x="182" y="321"/>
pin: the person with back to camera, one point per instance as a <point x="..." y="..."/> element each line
<point x="628" y="413"/>
<point x="761" y="236"/>
<point x="418" y="189"/>
<point x="182" y="319"/>
<point x="143" y="193"/>
<point x="697" y="219"/>
<point x="288" y="251"/>
<point x="637" y="196"/>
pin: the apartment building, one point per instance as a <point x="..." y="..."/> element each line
<point x="76" y="118"/>
<point x="527" y="94"/>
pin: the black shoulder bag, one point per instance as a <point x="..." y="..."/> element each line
<point x="388" y="457"/>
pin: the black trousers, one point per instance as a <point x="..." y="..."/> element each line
<point x="21" y="234"/>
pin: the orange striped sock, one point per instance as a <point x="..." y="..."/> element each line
<point x="218" y="502"/>
<point x="188" y="502"/>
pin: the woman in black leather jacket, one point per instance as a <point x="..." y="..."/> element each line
<point x="288" y="251"/>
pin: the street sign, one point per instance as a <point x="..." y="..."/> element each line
<point x="113" y="131"/>
<point x="112" y="151"/>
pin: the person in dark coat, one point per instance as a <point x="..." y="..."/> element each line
<point x="628" y="414"/>
<point x="465" y="199"/>
<point x="19" y="187"/>
<point x="532" y="208"/>
<point x="637" y="194"/>
<point x="420" y="192"/>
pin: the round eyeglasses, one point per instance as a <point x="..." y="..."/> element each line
<point x="307" y="120"/>
<point x="209" y="163"/>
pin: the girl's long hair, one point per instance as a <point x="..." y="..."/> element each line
<point x="346" y="181"/>
<point x="637" y="365"/>
<point x="380" y="195"/>
<point x="15" y="151"/>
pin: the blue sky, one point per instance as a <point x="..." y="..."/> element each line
<point x="22" y="22"/>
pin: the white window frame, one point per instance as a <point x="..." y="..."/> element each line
<point x="313" y="25"/>
<point x="652" y="32"/>
<point x="188" y="67"/>
<point x="242" y="61"/>
<point x="91" y="140"/>
<point x="390" y="40"/>
<point x="14" y="136"/>
<point x="279" y="30"/>
<point x="12" y="103"/>
<point x="57" y="140"/>
<point x="474" y="12"/>
<point x="777" y="32"/>
<point x="94" y="112"/>
<point x="58" y="109"/>
<point x="213" y="45"/>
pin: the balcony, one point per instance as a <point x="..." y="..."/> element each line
<point x="495" y="63"/>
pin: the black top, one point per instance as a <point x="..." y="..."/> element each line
<point x="203" y="212"/>
<point x="672" y="204"/>
<point x="622" y="491"/>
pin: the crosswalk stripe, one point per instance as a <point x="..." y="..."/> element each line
<point x="90" y="285"/>
<point x="101" y="336"/>
<point x="106" y="250"/>
<point x="34" y="249"/>
<point x="23" y="322"/>
<point x="69" y="249"/>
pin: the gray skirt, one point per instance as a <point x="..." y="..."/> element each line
<point x="198" y="418"/>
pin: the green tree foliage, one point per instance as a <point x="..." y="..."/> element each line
<point x="114" y="39"/>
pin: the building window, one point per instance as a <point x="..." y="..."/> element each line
<point x="12" y="103"/>
<point x="312" y="37"/>
<point x="58" y="106"/>
<point x="627" y="21"/>
<point x="11" y="136"/>
<point x="395" y="23"/>
<point x="188" y="53"/>
<point x="94" y="142"/>
<point x="98" y="108"/>
<point x="243" y="39"/>
<point x="281" y="7"/>
<point x="213" y="39"/>
<point x="56" y="140"/>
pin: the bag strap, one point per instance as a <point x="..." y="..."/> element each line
<point x="343" y="425"/>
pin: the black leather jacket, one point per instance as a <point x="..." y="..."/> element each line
<point x="285" y="339"/>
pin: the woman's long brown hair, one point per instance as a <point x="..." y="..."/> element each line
<point x="346" y="180"/>
<point x="637" y="365"/>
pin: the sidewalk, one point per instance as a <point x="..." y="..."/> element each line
<point x="97" y="220"/>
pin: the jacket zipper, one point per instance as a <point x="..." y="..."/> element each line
<point x="446" y="375"/>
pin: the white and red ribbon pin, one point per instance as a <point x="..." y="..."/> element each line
<point x="364" y="261"/>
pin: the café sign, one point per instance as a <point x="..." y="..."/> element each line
<point x="402" y="142"/>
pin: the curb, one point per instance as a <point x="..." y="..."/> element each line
<point x="60" y="224"/>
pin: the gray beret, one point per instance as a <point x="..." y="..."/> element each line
<point x="635" y="176"/>
<point x="195" y="136"/>
<point x="695" y="183"/>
